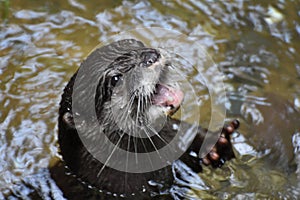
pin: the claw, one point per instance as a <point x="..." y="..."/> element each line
<point x="229" y="129"/>
<point x="222" y="150"/>
<point x="235" y="123"/>
<point x="214" y="156"/>
<point x="206" y="161"/>
<point x="222" y="140"/>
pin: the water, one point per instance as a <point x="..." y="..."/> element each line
<point x="255" y="43"/>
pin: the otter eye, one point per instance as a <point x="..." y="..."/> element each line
<point x="114" y="80"/>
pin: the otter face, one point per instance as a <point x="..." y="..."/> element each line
<point x="140" y="90"/>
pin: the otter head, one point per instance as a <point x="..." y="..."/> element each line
<point x="136" y="92"/>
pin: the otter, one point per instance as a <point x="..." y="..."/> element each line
<point x="129" y="88"/>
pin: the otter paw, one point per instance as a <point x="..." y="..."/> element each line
<point x="222" y="150"/>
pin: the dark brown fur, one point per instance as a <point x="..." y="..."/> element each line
<point x="124" y="57"/>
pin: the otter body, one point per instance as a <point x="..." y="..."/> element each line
<point x="130" y="90"/>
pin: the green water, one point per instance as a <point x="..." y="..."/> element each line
<point x="255" y="43"/>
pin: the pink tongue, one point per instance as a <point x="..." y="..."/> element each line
<point x="167" y="96"/>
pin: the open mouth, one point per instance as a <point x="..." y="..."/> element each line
<point x="167" y="97"/>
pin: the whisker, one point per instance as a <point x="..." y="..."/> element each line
<point x="153" y="144"/>
<point x="155" y="132"/>
<point x="136" y="128"/>
<point x="126" y="164"/>
<point x="107" y="160"/>
<point x="146" y="151"/>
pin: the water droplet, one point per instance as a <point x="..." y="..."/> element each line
<point x="77" y="114"/>
<point x="175" y="127"/>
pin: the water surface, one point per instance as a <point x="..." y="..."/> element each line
<point x="255" y="43"/>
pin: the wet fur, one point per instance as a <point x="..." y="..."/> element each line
<point x="84" y="165"/>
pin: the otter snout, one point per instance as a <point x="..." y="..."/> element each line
<point x="150" y="57"/>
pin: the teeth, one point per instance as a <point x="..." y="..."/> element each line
<point x="170" y="98"/>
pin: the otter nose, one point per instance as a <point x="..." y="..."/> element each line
<point x="150" y="57"/>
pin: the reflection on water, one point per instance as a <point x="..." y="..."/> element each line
<point x="256" y="44"/>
